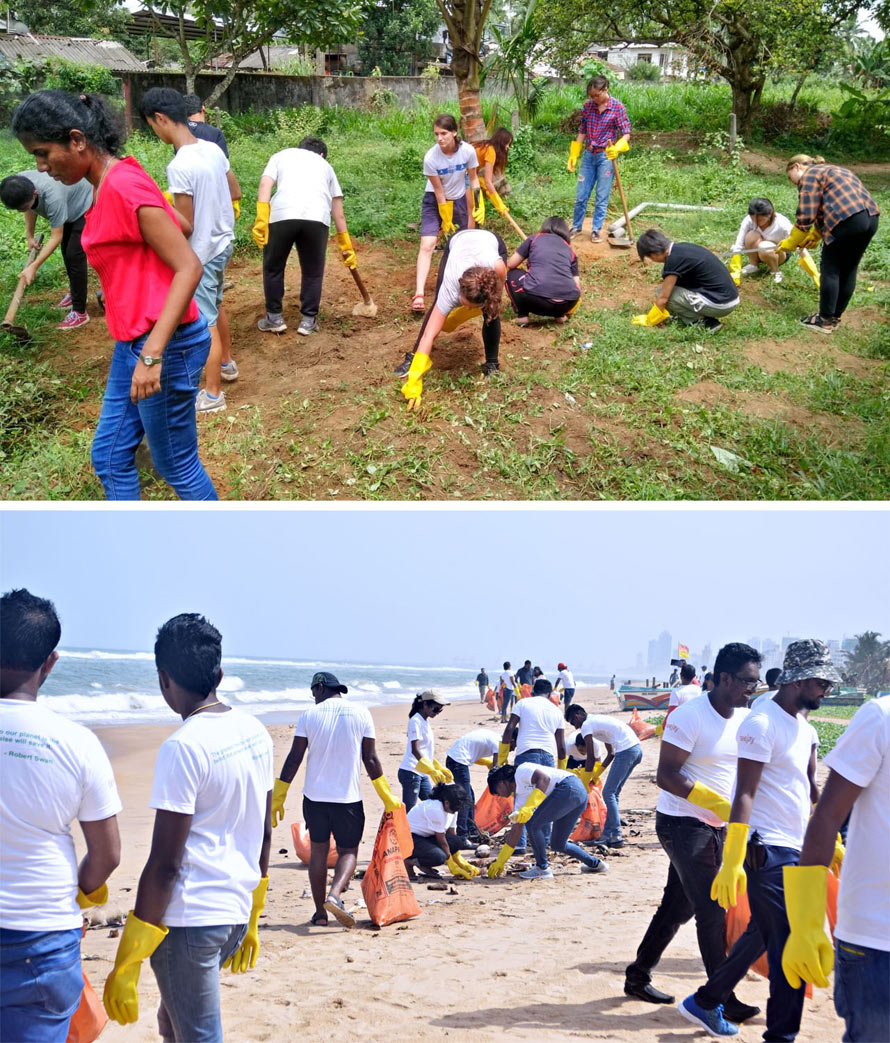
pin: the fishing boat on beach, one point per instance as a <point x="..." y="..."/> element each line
<point x="639" y="697"/>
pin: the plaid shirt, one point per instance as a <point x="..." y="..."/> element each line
<point x="828" y="195"/>
<point x="606" y="127"/>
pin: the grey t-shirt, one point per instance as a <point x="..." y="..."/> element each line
<point x="60" y="203"/>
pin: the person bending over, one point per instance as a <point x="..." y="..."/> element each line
<point x="433" y="829"/>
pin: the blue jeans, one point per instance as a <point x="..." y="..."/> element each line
<point x="558" y="815"/>
<point x="167" y="419"/>
<point x="509" y="699"/>
<point x="532" y="757"/>
<point x="619" y="772"/>
<point x="861" y="996"/>
<point x="596" y="173"/>
<point x="568" y="694"/>
<point x="465" y="816"/>
<point x="187" y="965"/>
<point x="414" y="787"/>
<point x="719" y="986"/>
<point x="40" y="984"/>
<point x="766" y="896"/>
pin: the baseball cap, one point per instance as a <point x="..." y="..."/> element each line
<point x="430" y="696"/>
<point x="560" y="666"/>
<point x="329" y="681"/>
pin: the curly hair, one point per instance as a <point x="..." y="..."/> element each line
<point x="483" y="287"/>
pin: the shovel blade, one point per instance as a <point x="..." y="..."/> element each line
<point x="19" y="333"/>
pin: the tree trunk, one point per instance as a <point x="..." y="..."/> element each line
<point x="801" y="80"/>
<point x="465" y="67"/>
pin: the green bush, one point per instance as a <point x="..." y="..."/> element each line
<point x="81" y="79"/>
<point x="643" y="71"/>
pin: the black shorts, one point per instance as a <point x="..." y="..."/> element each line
<point x="345" y="821"/>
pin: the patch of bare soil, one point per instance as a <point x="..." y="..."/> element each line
<point x="774" y="163"/>
<point x="800" y="357"/>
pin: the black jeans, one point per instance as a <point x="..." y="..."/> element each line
<point x="466" y="817"/>
<point x="75" y="263"/>
<point x="525" y="303"/>
<point x="840" y="262"/>
<point x="311" y="241"/>
<point x="695" y="850"/>
<point x="427" y="851"/>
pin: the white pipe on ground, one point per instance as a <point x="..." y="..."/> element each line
<point x="617" y="226"/>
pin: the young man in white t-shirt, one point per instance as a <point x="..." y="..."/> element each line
<point x="51" y="772"/>
<point x="479" y="746"/>
<point x="508" y="683"/>
<point x="567" y="680"/>
<point x="338" y="737"/>
<point x="687" y="688"/>
<point x="858" y="782"/>
<point x="204" y="885"/>
<point x="696" y="772"/>
<point x="772" y="800"/>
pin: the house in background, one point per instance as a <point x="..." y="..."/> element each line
<point x="670" y="58"/>
<point x="112" y="55"/>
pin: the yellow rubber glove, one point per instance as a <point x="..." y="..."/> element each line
<point x="458" y="316"/>
<point x="735" y="269"/>
<point x="796" y="239"/>
<point x="446" y="773"/>
<point x="653" y="317"/>
<point x="236" y="208"/>
<point x="536" y="797"/>
<point x="731" y="880"/>
<point x="412" y="389"/>
<point x="498" y="866"/>
<point x="169" y="197"/>
<point x="97" y="897"/>
<point x="385" y="793"/>
<point x="458" y="870"/>
<point x="260" y="230"/>
<point x="279" y="795"/>
<point x="705" y="797"/>
<point x="614" y="151"/>
<point x="503" y="752"/>
<point x="426" y="767"/>
<point x="659" y="729"/>
<point x="487" y="762"/>
<point x="562" y="762"/>
<point x="585" y="776"/>
<point x="347" y="254"/>
<point x="465" y="865"/>
<point x="597" y="771"/>
<point x="138" y="941"/>
<point x="497" y="202"/>
<point x="574" y="155"/>
<point x="837" y="859"/>
<point x="446" y="212"/>
<point x="814" y="237"/>
<point x="806" y="262"/>
<point x="808" y="954"/>
<point x="479" y="209"/>
<point x="245" y="958"/>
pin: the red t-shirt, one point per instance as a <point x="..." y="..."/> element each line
<point x="135" y="280"/>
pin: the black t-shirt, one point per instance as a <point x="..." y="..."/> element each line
<point x="698" y="269"/>
<point x="481" y="678"/>
<point x="524" y="675"/>
<point x="551" y="265"/>
<point x="209" y="133"/>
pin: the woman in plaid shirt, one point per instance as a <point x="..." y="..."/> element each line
<point x="835" y="206"/>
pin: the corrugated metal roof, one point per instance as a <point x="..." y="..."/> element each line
<point x="84" y="51"/>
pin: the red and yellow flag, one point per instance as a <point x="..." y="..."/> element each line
<point x="682" y="652"/>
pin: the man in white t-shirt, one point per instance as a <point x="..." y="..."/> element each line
<point x="479" y="746"/>
<point x="696" y="773"/>
<point x="687" y="688"/>
<point x="52" y="771"/>
<point x="507" y="683"/>
<point x="858" y="780"/>
<point x="204" y="885"/>
<point x="772" y="800"/>
<point x="567" y="681"/>
<point x="336" y="738"/>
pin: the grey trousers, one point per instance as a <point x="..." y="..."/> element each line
<point x="690" y="306"/>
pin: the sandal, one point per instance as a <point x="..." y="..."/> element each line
<point x="319" y="920"/>
<point x="816" y="322"/>
<point x="417" y="303"/>
<point x="523" y="321"/>
<point x="335" y="905"/>
<point x="430" y="872"/>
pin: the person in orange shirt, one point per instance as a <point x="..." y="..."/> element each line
<point x="492" y="156"/>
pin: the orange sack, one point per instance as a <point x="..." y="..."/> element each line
<point x="492" y="812"/>
<point x="386" y="887"/>
<point x="89" y="1019"/>
<point x="593" y="817"/>
<point x="639" y="726"/>
<point x="302" y="845"/>
<point x="489" y="699"/>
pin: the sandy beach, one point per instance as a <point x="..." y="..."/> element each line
<point x="535" y="960"/>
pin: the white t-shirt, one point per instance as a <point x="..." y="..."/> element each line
<point x="539" y="721"/>
<point x="52" y="771"/>
<point x="429" y="816"/>
<point x="470" y="248"/>
<point x="481" y="742"/>
<point x="616" y="733"/>
<point x="453" y="170"/>
<point x="683" y="693"/>
<point x="710" y="741"/>
<point x="199" y="170"/>
<point x="524" y="784"/>
<point x="780" y="229"/>
<point x="782" y="744"/>
<point x="599" y="751"/>
<point x="566" y="677"/>
<point x="862" y="756"/>
<point x="334" y="730"/>
<point x="419" y="728"/>
<point x="505" y="680"/>
<point x="305" y="186"/>
<point x="762" y="700"/>
<point x="217" y="768"/>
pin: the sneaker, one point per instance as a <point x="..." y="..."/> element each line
<point x="817" y="323"/>
<point x="600" y="867"/>
<point x="711" y="324"/>
<point x="736" y="1012"/>
<point x="100" y="300"/>
<point x="617" y="842"/>
<point x="574" y="233"/>
<point x="275" y="324"/>
<point x="489" y="368"/>
<point x="402" y="369"/>
<point x="229" y="370"/>
<point x="596" y="237"/>
<point x="74" y="319"/>
<point x="749" y="269"/>
<point x="207" y="403"/>
<point x="712" y="1021"/>
<point x="65" y="302"/>
<point x="307" y="325"/>
<point x="778" y="277"/>
<point x="534" y="873"/>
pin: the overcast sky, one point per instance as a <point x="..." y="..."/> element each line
<point x="589" y="585"/>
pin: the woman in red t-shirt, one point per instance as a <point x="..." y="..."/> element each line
<point x="148" y="273"/>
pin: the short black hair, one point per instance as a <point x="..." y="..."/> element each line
<point x="687" y="672"/>
<point x="29" y="630"/>
<point x="652" y="242"/>
<point x="542" y="687"/>
<point x="189" y="649"/>
<point x="733" y="657"/>
<point x="192" y="103"/>
<point x="166" y="101"/>
<point x="772" y="674"/>
<point x="760" y="206"/>
<point x="507" y="665"/>
<point x="597" y="83"/>
<point x="502" y="773"/>
<point x="314" y="145"/>
<point x="572" y="712"/>
<point x="528" y="662"/>
<point x="453" y="792"/>
<point x="16" y="190"/>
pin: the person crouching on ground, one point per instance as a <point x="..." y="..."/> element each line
<point x="760" y="231"/>
<point x="433" y="829"/>
<point x="550" y="801"/>
<point x="696" y="287"/>
<point x="551" y="286"/>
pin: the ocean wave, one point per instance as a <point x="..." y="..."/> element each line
<point x="99" y="654"/>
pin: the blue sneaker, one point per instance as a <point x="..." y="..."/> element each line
<point x="712" y="1021"/>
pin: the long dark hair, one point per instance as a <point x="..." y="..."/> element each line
<point x="503" y="773"/>
<point x="417" y="704"/>
<point x="51" y="115"/>
<point x="500" y="141"/>
<point x="453" y="792"/>
<point x="447" y="122"/>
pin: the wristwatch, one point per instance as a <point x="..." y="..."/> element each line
<point x="151" y="360"/>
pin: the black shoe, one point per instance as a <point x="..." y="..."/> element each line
<point x="489" y="368"/>
<point x="467" y="845"/>
<point x="737" y="1012"/>
<point x="402" y="369"/>
<point x="646" y="992"/>
<point x="711" y="324"/>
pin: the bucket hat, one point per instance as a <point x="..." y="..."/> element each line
<point x="806" y="659"/>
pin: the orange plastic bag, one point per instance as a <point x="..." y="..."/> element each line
<point x="89" y="1019"/>
<point x="492" y="812"/>
<point x="501" y="699"/>
<point x="593" y="817"/>
<point x="554" y="698"/>
<point x="403" y="830"/>
<point x="386" y="887"/>
<point x="489" y="699"/>
<point x="302" y="845"/>
<point x="525" y="691"/>
<point x="639" y="726"/>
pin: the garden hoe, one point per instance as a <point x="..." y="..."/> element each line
<point x="19" y="332"/>
<point x="627" y="241"/>
<point x="367" y="309"/>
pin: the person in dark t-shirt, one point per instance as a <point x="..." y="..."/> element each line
<point x="551" y="286"/>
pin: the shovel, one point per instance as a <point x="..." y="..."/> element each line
<point x="627" y="241"/>
<point x="367" y="309"/>
<point x="19" y="332"/>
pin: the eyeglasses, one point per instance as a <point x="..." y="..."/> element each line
<point x="746" y="682"/>
<point x="824" y="686"/>
<point x="438" y="709"/>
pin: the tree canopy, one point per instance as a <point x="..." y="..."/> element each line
<point x="394" y="31"/>
<point x="868" y="665"/>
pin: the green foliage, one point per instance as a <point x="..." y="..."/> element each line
<point x="643" y="72"/>
<point x="304" y="65"/>
<point x="828" y="733"/>
<point x="90" y="18"/>
<point x="590" y="67"/>
<point x="868" y="665"/>
<point x="81" y="79"/>
<point x="290" y="126"/>
<point x="523" y="150"/>
<point x="395" y="33"/>
<point x="864" y="117"/>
